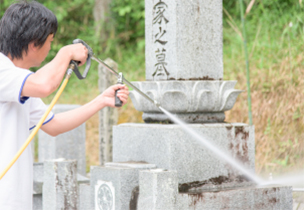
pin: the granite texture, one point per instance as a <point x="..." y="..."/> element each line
<point x="184" y="40"/>
<point x="169" y="147"/>
<point x="158" y="189"/>
<point x="69" y="145"/>
<point x="60" y="189"/>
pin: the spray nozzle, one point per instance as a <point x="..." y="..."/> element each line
<point x="119" y="78"/>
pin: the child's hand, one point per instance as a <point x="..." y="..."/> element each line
<point x="78" y="53"/>
<point x="108" y="96"/>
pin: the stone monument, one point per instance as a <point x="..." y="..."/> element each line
<point x="158" y="166"/>
<point x="184" y="73"/>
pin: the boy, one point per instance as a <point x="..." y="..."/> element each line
<point x="26" y="32"/>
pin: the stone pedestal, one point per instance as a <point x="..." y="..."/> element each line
<point x="69" y="145"/>
<point x="169" y="147"/>
<point x="191" y="101"/>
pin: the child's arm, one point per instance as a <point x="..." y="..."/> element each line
<point x="69" y="120"/>
<point x="48" y="78"/>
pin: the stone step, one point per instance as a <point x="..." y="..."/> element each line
<point x="262" y="198"/>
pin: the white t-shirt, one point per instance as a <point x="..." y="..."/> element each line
<point x="17" y="116"/>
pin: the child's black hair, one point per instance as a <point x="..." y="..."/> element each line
<point x="23" y="23"/>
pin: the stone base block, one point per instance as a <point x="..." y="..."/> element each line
<point x="115" y="187"/>
<point x="169" y="147"/>
<point x="158" y="190"/>
<point x="270" y="197"/>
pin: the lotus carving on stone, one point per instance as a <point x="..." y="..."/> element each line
<point x="186" y="96"/>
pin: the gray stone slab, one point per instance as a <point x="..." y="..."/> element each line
<point x="158" y="190"/>
<point x="82" y="179"/>
<point x="119" y="183"/>
<point x="107" y="116"/>
<point x="38" y="178"/>
<point x="184" y="40"/>
<point x="37" y="202"/>
<point x="60" y="189"/>
<point x="139" y="165"/>
<point x="169" y="147"/>
<point x="262" y="198"/>
<point x="69" y="145"/>
<point x="84" y="197"/>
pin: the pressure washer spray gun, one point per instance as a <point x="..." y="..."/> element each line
<point x="120" y="77"/>
<point x="73" y="67"/>
<point x="118" y="102"/>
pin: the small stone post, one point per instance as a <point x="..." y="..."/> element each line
<point x="107" y="116"/>
<point x="158" y="189"/>
<point x="60" y="189"/>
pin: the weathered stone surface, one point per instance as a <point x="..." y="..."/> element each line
<point x="38" y="186"/>
<point x="60" y="189"/>
<point x="158" y="189"/>
<point x="107" y="116"/>
<point x="69" y="145"/>
<point x="191" y="101"/>
<point x="184" y="40"/>
<point x="262" y="198"/>
<point x="119" y="183"/>
<point x="169" y="147"/>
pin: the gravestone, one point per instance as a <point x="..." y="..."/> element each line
<point x="60" y="185"/>
<point x="184" y="73"/>
<point x="107" y="116"/>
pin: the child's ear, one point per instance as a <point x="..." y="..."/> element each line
<point x="32" y="47"/>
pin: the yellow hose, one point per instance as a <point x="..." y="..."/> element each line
<point x="34" y="132"/>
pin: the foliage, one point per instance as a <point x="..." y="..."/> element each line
<point x="129" y="16"/>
